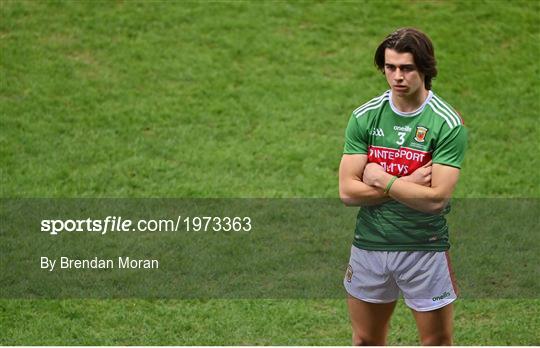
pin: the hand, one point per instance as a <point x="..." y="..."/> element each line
<point x="421" y="176"/>
<point x="372" y="174"/>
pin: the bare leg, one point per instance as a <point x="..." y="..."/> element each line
<point x="369" y="321"/>
<point x="435" y="327"/>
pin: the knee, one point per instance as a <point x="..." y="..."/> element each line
<point x="363" y="340"/>
<point x="442" y="339"/>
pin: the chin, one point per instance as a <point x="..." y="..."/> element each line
<point x="401" y="92"/>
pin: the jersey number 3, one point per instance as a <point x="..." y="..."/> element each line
<point x="401" y="139"/>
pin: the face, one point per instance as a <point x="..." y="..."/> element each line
<point x="402" y="75"/>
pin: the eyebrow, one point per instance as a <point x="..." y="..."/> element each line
<point x="411" y="66"/>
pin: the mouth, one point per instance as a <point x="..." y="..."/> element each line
<point x="400" y="87"/>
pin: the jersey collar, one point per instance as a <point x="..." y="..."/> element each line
<point x="410" y="113"/>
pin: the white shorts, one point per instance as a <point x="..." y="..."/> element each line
<point x="424" y="278"/>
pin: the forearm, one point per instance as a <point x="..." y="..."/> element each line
<point x="418" y="197"/>
<point x="354" y="192"/>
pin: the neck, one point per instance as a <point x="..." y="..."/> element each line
<point x="408" y="103"/>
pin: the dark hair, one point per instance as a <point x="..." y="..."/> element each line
<point x="415" y="42"/>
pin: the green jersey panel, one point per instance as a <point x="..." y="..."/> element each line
<point x="401" y="143"/>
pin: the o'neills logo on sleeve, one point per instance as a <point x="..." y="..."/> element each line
<point x="400" y="162"/>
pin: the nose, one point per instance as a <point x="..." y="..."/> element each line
<point x="398" y="74"/>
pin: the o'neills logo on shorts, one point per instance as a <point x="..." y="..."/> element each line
<point x="442" y="296"/>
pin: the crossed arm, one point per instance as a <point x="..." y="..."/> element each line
<point x="428" y="189"/>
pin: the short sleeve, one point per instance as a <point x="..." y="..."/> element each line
<point x="355" y="138"/>
<point x="450" y="148"/>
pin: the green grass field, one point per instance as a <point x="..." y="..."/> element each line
<point x="243" y="99"/>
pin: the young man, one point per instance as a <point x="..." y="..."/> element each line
<point x="401" y="162"/>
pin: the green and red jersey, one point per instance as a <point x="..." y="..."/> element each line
<point x="402" y="142"/>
